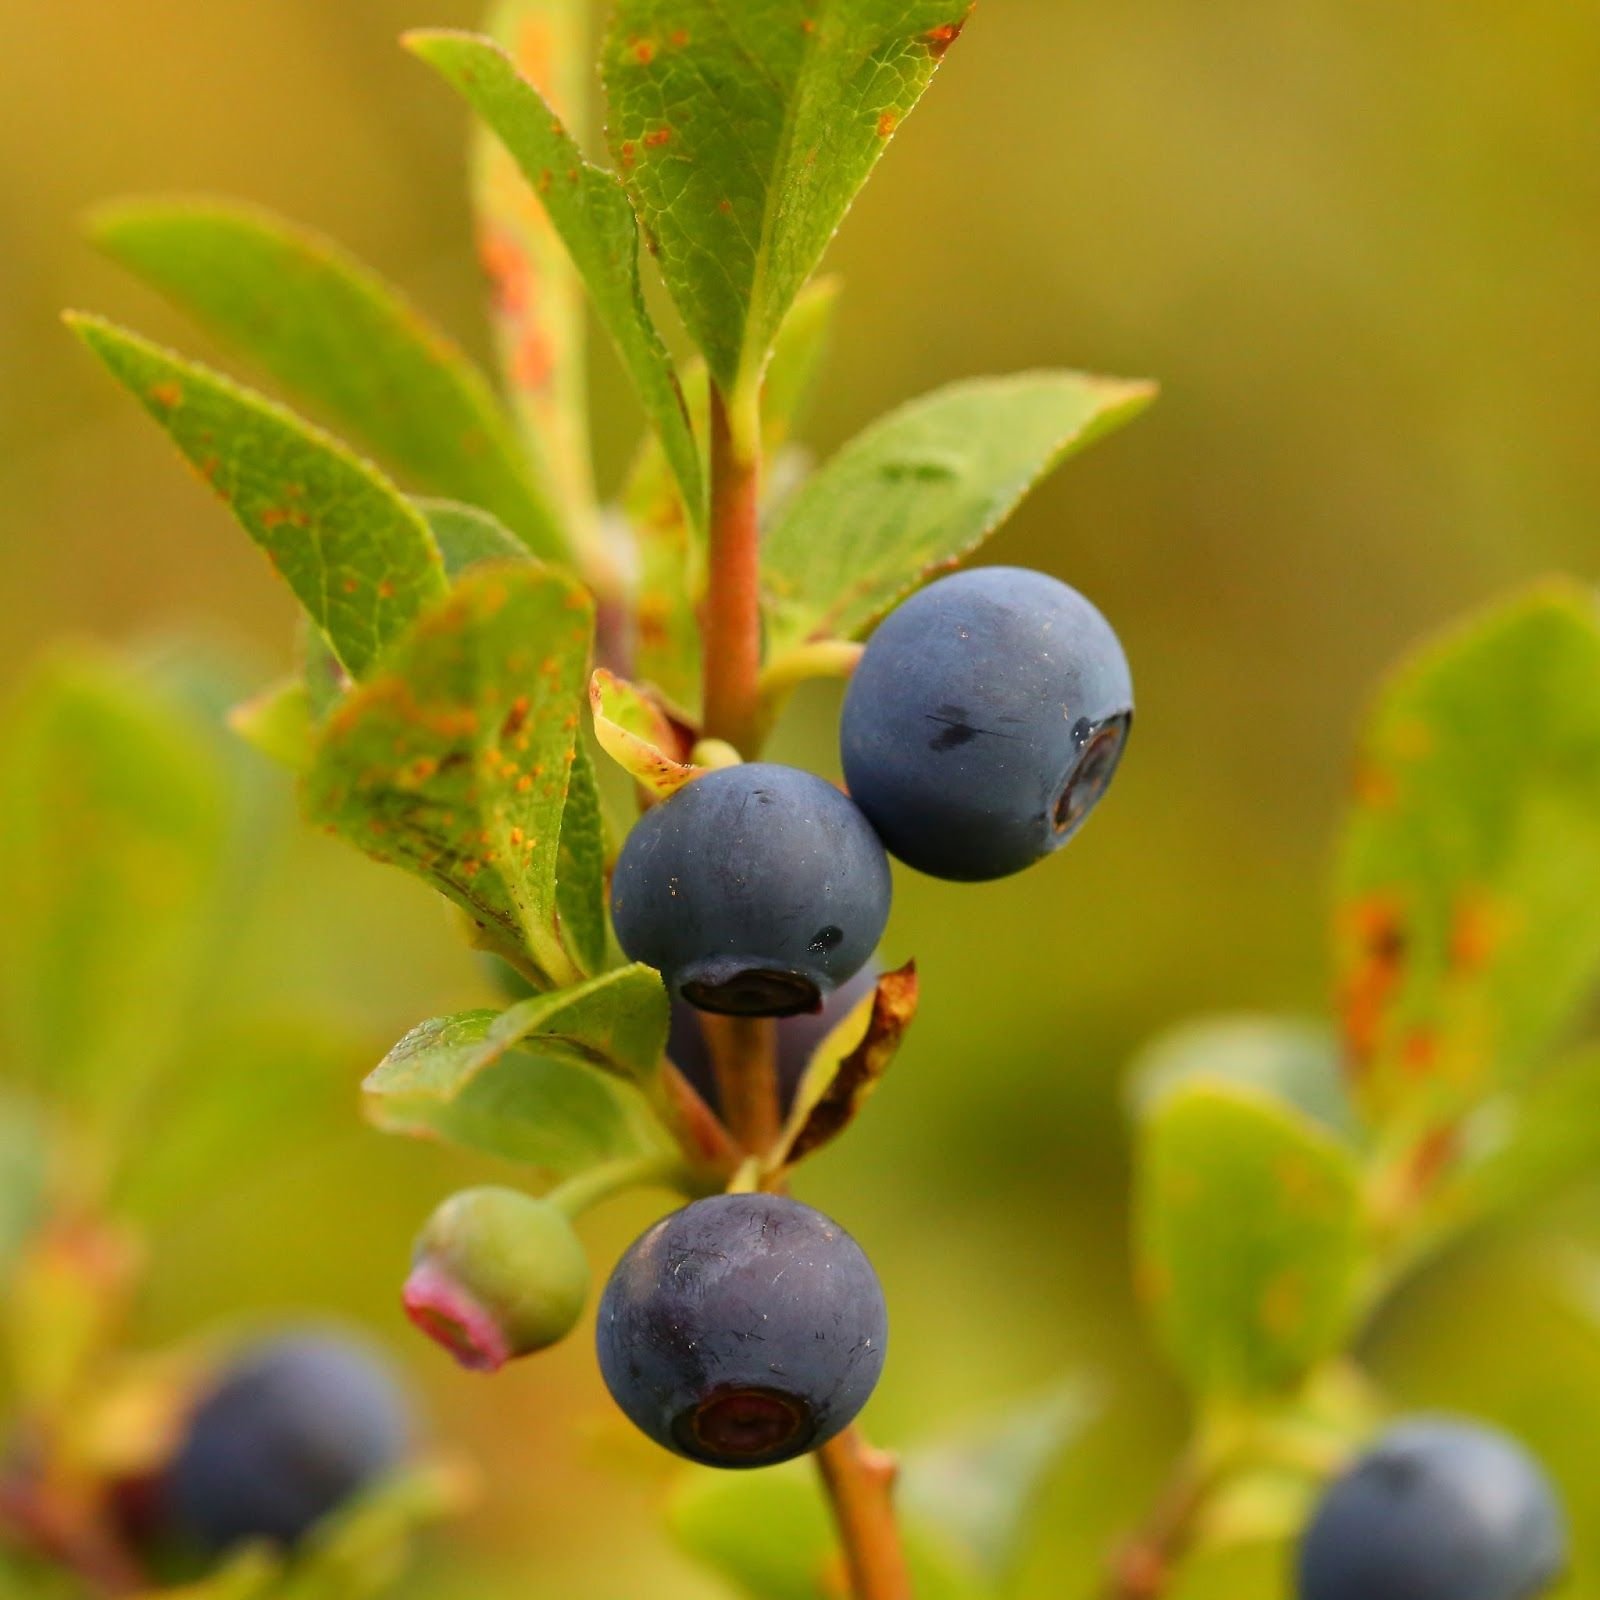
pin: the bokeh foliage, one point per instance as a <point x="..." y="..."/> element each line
<point x="1343" y="238"/>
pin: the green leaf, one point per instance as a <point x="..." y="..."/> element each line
<point x="581" y="868"/>
<point x="771" y="1536"/>
<point x="921" y="489"/>
<point x="357" y="555"/>
<point x="744" y="133"/>
<point x="639" y="736"/>
<point x="278" y="722"/>
<point x="982" y="1490"/>
<point x="555" y="1082"/>
<point x="453" y="759"/>
<point x="324" y="676"/>
<point x="1249" y="1235"/>
<point x="252" y="1574"/>
<point x="590" y="210"/>
<point x="1525" y="1148"/>
<point x="672" y="553"/>
<point x="536" y="297"/>
<point x="1299" y="1062"/>
<point x="244" y="1094"/>
<point x="115" y="811"/>
<point x="366" y="1546"/>
<point x="344" y="341"/>
<point x="1468" y="927"/>
<point x="466" y="536"/>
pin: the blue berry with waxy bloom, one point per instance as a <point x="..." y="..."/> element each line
<point x="986" y="718"/>
<point x="798" y="1038"/>
<point x="742" y="1330"/>
<point x="495" y="1275"/>
<point x="289" y="1433"/>
<point x="1436" y="1510"/>
<point x="755" y="891"/>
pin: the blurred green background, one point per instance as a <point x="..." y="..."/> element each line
<point x="1357" y="245"/>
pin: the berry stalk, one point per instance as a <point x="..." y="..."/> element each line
<point x="744" y="1054"/>
<point x="858" y="1479"/>
<point x="860" y="1484"/>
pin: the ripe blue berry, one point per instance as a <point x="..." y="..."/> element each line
<point x="987" y="717"/>
<point x="1436" y="1510"/>
<point x="798" y="1038"/>
<point x="742" y="1330"/>
<point x="755" y="891"/>
<point x="495" y="1275"/>
<point x="291" y="1431"/>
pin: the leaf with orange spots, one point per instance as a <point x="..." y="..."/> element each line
<point x="1548" y="1142"/>
<point x="558" y="1082"/>
<point x="581" y="869"/>
<point x="590" y="211"/>
<point x="356" y="553"/>
<point x="846" y="1067"/>
<point x="672" y="550"/>
<point x="1467" y="929"/>
<point x="344" y="342"/>
<point x="1249" y="1237"/>
<point x="453" y="760"/>
<point x="639" y="736"/>
<point x="921" y="489"/>
<point x="536" y="297"/>
<point x="744" y="133"/>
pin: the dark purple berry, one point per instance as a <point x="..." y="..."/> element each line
<point x="742" y="1330"/>
<point x="984" y="722"/>
<point x="755" y="890"/>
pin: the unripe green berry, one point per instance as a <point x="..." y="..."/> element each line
<point x="496" y="1274"/>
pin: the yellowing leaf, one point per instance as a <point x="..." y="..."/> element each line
<point x="639" y="736"/>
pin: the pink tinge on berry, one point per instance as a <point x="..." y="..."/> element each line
<point x="443" y="1310"/>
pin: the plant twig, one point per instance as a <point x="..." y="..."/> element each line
<point x="1146" y="1562"/>
<point x="860" y="1484"/>
<point x="859" y="1479"/>
<point x="732" y="621"/>
<point x="87" y="1550"/>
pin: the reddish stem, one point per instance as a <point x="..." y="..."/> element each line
<point x="859" y="1479"/>
<point x="1143" y="1568"/>
<point x="732" y="621"/>
<point x="860" y="1484"/>
<point x="82" y="1548"/>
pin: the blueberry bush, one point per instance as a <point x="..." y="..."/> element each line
<point x="688" y="936"/>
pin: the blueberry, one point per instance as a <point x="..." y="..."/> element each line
<point x="1436" y="1510"/>
<point x="798" y="1038"/>
<point x="987" y="717"/>
<point x="754" y="890"/>
<point x="495" y="1275"/>
<point x="742" y="1330"/>
<point x="291" y="1431"/>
